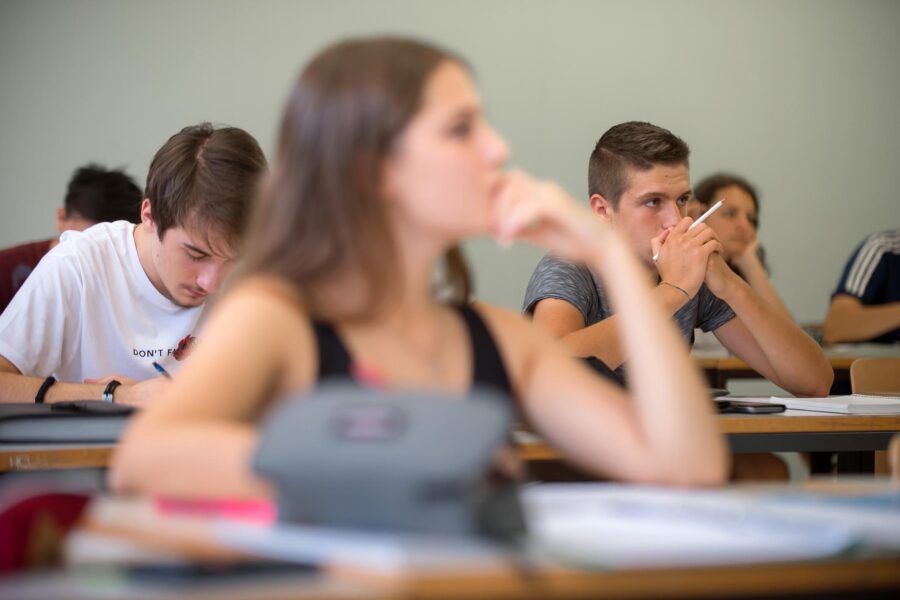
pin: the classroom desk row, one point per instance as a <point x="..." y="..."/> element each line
<point x="720" y="366"/>
<point x="853" y="436"/>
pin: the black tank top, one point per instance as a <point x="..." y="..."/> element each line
<point x="487" y="368"/>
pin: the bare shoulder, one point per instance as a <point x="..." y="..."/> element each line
<point x="273" y="291"/>
<point x="262" y="323"/>
<point x="263" y="306"/>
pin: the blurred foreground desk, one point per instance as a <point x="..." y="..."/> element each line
<point x="833" y="579"/>
<point x="866" y="572"/>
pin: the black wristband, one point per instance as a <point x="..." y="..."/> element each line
<point x="42" y="391"/>
<point x="107" y="395"/>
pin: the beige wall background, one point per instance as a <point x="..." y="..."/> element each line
<point x="801" y="97"/>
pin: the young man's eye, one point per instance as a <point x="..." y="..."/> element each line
<point x="461" y="130"/>
<point x="652" y="202"/>
<point x="683" y="201"/>
<point x="195" y="257"/>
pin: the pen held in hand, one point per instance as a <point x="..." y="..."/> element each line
<point x="702" y="218"/>
<point x="161" y="370"/>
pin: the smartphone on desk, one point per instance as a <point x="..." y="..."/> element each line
<point x="748" y="407"/>
<point x="183" y="572"/>
<point x="94" y="407"/>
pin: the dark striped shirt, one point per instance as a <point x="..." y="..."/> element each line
<point x="577" y="285"/>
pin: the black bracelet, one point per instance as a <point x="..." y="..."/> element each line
<point x="107" y="395"/>
<point x="682" y="290"/>
<point x="42" y="391"/>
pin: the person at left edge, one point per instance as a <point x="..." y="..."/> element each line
<point x="93" y="195"/>
<point x="107" y="302"/>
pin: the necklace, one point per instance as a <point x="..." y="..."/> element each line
<point x="431" y="354"/>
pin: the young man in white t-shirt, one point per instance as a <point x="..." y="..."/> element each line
<point x="106" y="304"/>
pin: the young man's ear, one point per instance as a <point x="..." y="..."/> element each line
<point x="60" y="220"/>
<point x="147" y="215"/>
<point x="602" y="207"/>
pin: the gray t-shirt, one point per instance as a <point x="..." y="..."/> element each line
<point x="577" y="285"/>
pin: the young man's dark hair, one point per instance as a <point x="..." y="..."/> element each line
<point x="634" y="144"/>
<point x="184" y="181"/>
<point x="99" y="195"/>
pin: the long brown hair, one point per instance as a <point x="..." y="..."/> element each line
<point x="320" y="213"/>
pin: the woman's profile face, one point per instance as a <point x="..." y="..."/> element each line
<point x="446" y="168"/>
<point x="735" y="222"/>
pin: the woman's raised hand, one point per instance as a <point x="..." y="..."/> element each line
<point x="544" y="214"/>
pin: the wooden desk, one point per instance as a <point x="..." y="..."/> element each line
<point x="790" y="431"/>
<point x="721" y="366"/>
<point x="39" y="457"/>
<point x="720" y="369"/>
<point x="836" y="579"/>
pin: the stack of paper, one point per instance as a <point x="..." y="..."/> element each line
<point x="616" y="526"/>
<point x="857" y="404"/>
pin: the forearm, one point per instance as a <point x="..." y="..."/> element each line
<point x="603" y="339"/>
<point x="21" y="388"/>
<point x="188" y="460"/>
<point x="756" y="276"/>
<point x="797" y="363"/>
<point x="847" y="322"/>
<point x="671" y="400"/>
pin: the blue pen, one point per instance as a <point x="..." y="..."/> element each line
<point x="161" y="370"/>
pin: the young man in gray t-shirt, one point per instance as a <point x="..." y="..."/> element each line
<point x="639" y="183"/>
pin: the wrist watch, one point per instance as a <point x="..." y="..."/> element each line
<point x="109" y="390"/>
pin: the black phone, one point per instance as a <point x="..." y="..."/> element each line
<point x="92" y="407"/>
<point x="186" y="572"/>
<point x="745" y="406"/>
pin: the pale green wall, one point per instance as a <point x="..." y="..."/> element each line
<point x="802" y="97"/>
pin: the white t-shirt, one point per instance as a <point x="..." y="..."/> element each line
<point x="89" y="310"/>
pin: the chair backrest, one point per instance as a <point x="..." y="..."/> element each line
<point x="875" y="376"/>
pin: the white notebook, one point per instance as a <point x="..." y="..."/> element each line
<point x="857" y="404"/>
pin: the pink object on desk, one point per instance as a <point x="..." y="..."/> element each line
<point x="368" y="375"/>
<point x="252" y="511"/>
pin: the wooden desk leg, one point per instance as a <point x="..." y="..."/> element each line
<point x="715" y="378"/>
<point x="821" y="463"/>
<point x="855" y="462"/>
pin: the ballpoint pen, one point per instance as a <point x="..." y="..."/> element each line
<point x="161" y="370"/>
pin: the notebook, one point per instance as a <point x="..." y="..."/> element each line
<point x="856" y="404"/>
<point x="85" y="421"/>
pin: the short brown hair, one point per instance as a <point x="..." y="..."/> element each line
<point x="634" y="144"/>
<point x="204" y="179"/>
<point x="320" y="214"/>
